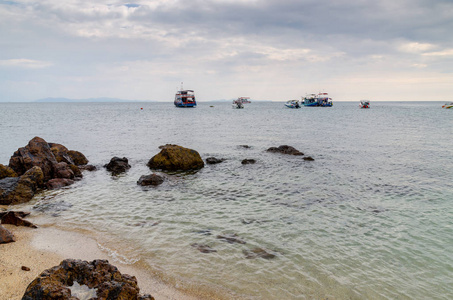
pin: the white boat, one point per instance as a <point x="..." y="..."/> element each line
<point x="185" y="98"/>
<point x="364" y="104"/>
<point x="292" y="104"/>
<point x="239" y="102"/>
<point x="320" y="99"/>
<point x="448" y="105"/>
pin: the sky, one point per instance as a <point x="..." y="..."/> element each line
<point x="381" y="50"/>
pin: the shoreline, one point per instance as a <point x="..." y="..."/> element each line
<point x="42" y="248"/>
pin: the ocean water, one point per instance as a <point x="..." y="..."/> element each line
<point x="370" y="218"/>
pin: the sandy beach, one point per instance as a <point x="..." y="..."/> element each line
<point x="43" y="248"/>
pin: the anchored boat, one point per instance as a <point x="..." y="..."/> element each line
<point x="364" y="104"/>
<point x="321" y="99"/>
<point x="239" y="102"/>
<point x="292" y="104"/>
<point x="448" y="105"/>
<point x="185" y="98"/>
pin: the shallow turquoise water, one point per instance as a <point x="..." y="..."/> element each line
<point x="370" y="218"/>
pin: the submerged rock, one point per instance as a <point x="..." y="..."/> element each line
<point x="117" y="165"/>
<point x="152" y="179"/>
<point x="203" y="248"/>
<point x="231" y="238"/>
<point x="258" y="253"/>
<point x="87" y="168"/>
<point x="213" y="160"/>
<point x="176" y="158"/>
<point x="109" y="283"/>
<point x="248" y="161"/>
<point x="309" y="158"/>
<point x="6" y="236"/>
<point x="285" y="149"/>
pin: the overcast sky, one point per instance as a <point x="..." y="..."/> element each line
<point x="265" y="49"/>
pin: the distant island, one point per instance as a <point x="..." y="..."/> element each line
<point x="86" y="100"/>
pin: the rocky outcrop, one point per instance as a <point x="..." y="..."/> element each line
<point x="117" y="165"/>
<point x="78" y="158"/>
<point x="6" y="236"/>
<point x="176" y="158"/>
<point x="213" y="160"/>
<point x="152" y="179"/>
<point x="285" y="149"/>
<point x="36" y="153"/>
<point x="14" y="190"/>
<point x="61" y="153"/>
<point x="109" y="283"/>
<point x="6" y="171"/>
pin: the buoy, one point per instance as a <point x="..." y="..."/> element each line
<point x="141" y="108"/>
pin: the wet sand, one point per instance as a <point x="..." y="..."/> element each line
<point x="43" y="248"/>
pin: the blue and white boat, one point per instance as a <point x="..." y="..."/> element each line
<point x="321" y="99"/>
<point x="185" y="98"/>
<point x="292" y="104"/>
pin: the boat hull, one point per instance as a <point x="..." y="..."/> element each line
<point x="182" y="104"/>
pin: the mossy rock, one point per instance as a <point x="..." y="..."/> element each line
<point x="176" y="158"/>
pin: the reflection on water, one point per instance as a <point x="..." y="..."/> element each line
<point x="370" y="218"/>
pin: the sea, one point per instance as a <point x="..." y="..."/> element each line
<point x="370" y="218"/>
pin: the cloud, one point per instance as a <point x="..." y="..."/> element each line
<point x="240" y="43"/>
<point x="25" y="63"/>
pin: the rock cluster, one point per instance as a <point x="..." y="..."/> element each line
<point x="37" y="165"/>
<point x="109" y="283"/>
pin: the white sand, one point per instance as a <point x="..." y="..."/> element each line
<point x="43" y="248"/>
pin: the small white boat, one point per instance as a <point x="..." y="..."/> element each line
<point x="364" y="104"/>
<point x="448" y="105"/>
<point x="292" y="104"/>
<point x="239" y="102"/>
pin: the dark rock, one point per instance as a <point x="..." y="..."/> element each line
<point x="231" y="238"/>
<point x="24" y="268"/>
<point x="152" y="179"/>
<point x="6" y="236"/>
<point x="76" y="170"/>
<point x="248" y="161"/>
<point x="77" y="157"/>
<point x="309" y="158"/>
<point x="203" y="248"/>
<point x="20" y="214"/>
<point x="62" y="170"/>
<point x="36" y="153"/>
<point x="58" y="183"/>
<point x="176" y="158"/>
<point x="117" y="165"/>
<point x="285" y="149"/>
<point x="213" y="160"/>
<point x="258" y="253"/>
<point x="6" y="171"/>
<point x="109" y="283"/>
<point x="15" y="190"/>
<point x="245" y="146"/>
<point x="14" y="218"/>
<point x="87" y="168"/>
<point x="61" y="153"/>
